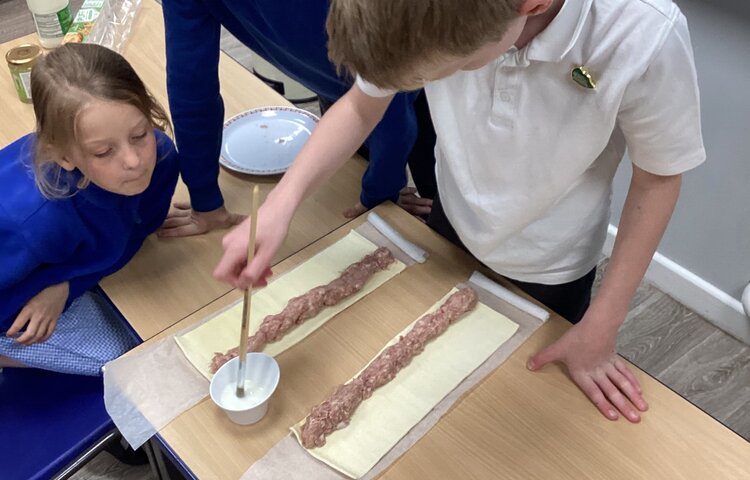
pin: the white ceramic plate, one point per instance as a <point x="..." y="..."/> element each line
<point x="265" y="141"/>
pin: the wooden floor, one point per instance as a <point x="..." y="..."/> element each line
<point x="661" y="336"/>
<point x="689" y="355"/>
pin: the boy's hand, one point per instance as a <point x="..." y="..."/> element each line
<point x="40" y="315"/>
<point x="597" y="370"/>
<point x="183" y="221"/>
<point x="414" y="204"/>
<point x="233" y="268"/>
<point x="407" y="199"/>
<point x="324" y="152"/>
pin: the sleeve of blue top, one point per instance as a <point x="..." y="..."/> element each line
<point x="192" y="40"/>
<point x="16" y="259"/>
<point x="18" y="279"/>
<point x="157" y="198"/>
<point x="390" y="144"/>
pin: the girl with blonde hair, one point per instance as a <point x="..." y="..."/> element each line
<point x="81" y="194"/>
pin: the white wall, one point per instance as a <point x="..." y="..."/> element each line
<point x="709" y="235"/>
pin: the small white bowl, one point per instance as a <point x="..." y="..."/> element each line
<point x="261" y="377"/>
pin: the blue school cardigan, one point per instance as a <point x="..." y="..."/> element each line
<point x="79" y="239"/>
<point x="291" y="35"/>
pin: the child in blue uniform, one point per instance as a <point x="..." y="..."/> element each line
<point x="81" y="194"/>
<point x="291" y="36"/>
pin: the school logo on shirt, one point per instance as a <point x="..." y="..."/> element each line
<point x="582" y="77"/>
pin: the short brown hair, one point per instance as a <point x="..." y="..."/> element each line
<point x="384" y="40"/>
<point x="62" y="84"/>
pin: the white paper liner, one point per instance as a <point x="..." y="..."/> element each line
<point x="144" y="391"/>
<point x="290" y="461"/>
<point x="418" y="254"/>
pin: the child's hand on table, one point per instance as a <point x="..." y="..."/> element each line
<point x="183" y="221"/>
<point x="414" y="204"/>
<point x="355" y="211"/>
<point x="407" y="199"/>
<point x="588" y="353"/>
<point x="40" y="315"/>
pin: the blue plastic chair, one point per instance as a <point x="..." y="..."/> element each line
<point x="51" y="423"/>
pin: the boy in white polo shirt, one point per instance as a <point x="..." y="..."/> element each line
<point x="534" y="103"/>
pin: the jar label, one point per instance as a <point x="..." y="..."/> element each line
<point x="22" y="82"/>
<point x="26" y="82"/>
<point x="53" y="25"/>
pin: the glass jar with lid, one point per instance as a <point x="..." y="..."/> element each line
<point x="21" y="60"/>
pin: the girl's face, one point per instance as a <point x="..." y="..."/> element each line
<point x="116" y="147"/>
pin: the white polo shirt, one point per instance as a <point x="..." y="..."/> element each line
<point x="526" y="156"/>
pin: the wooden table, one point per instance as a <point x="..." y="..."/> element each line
<point x="171" y="278"/>
<point x="516" y="424"/>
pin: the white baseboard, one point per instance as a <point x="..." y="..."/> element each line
<point x="707" y="300"/>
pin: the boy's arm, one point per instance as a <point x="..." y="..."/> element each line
<point x="338" y="135"/>
<point x="588" y="349"/>
<point x="660" y="119"/>
<point x="192" y="48"/>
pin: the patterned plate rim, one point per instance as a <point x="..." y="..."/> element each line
<point x="280" y="108"/>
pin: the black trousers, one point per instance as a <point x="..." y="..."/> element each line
<point x="422" y="156"/>
<point x="570" y="300"/>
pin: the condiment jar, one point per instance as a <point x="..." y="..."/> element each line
<point x="20" y="61"/>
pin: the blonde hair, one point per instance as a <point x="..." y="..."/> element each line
<point x="62" y="84"/>
<point x="385" y="40"/>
